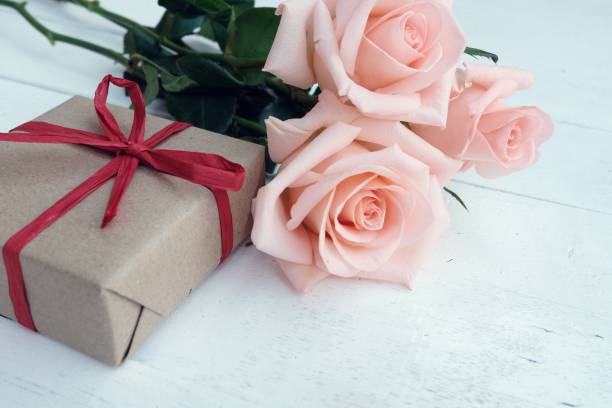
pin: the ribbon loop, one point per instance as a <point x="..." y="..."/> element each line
<point x="209" y="170"/>
<point x="107" y="121"/>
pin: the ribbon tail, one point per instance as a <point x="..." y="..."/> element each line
<point x="125" y="174"/>
<point x="13" y="247"/>
<point x="226" y="225"/>
<point x="208" y="170"/>
<point x="165" y="133"/>
<point x="46" y="127"/>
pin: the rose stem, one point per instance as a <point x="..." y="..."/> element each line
<point x="54" y="37"/>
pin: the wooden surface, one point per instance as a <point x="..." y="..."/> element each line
<point x="514" y="309"/>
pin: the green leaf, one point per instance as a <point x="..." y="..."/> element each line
<point x="253" y="76"/>
<point x="173" y="83"/>
<point x="211" y="111"/>
<point x="240" y="6"/>
<point x="152" y="83"/>
<point x="281" y="108"/>
<point x="137" y="42"/>
<point x="175" y="27"/>
<point x="456" y="197"/>
<point x="195" y="8"/>
<point x="251" y="101"/>
<point x="207" y="30"/>
<point x="207" y="73"/>
<point x="168" y="64"/>
<point x="475" y="52"/>
<point x="253" y="33"/>
<point x="220" y="28"/>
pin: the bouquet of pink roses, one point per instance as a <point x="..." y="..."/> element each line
<point x="359" y="191"/>
<point x="360" y="102"/>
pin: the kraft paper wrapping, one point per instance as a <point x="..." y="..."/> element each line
<point x="102" y="291"/>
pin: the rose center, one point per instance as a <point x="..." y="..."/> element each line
<point x="370" y="214"/>
<point x="514" y="139"/>
<point x="413" y="37"/>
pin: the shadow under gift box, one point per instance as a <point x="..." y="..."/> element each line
<point x="102" y="291"/>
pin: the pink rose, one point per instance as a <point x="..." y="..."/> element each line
<point x="392" y="59"/>
<point x="483" y="131"/>
<point x="345" y="205"/>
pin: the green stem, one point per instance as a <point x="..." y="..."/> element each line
<point x="94" y="7"/>
<point x="54" y="37"/>
<point x="249" y="124"/>
<point x="140" y="57"/>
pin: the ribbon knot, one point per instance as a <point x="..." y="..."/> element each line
<point x="134" y="149"/>
<point x="208" y="170"/>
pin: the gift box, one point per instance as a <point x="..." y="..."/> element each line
<point x="103" y="290"/>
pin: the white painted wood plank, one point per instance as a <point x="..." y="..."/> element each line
<point x="27" y="57"/>
<point x="20" y="103"/>
<point x="146" y="12"/>
<point x="494" y="327"/>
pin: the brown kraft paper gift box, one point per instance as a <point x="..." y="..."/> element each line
<point x="103" y="291"/>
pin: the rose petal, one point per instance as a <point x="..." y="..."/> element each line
<point x="284" y="137"/>
<point x="388" y="133"/>
<point x="376" y="68"/>
<point x="354" y="31"/>
<point x="328" y="66"/>
<point x="487" y="75"/>
<point x="333" y="261"/>
<point x="270" y="234"/>
<point x="455" y="138"/>
<point x="291" y="53"/>
<point x="303" y="277"/>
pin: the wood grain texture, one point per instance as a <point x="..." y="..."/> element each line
<point x="513" y="310"/>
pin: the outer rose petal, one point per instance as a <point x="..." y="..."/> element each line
<point x="388" y="133"/>
<point x="303" y="277"/>
<point x="353" y="32"/>
<point x="290" y="57"/>
<point x="454" y="139"/>
<point x="487" y="75"/>
<point x="284" y="137"/>
<point x="384" y="6"/>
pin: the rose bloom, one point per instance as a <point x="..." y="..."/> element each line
<point x="392" y="59"/>
<point x="355" y="197"/>
<point x="482" y="130"/>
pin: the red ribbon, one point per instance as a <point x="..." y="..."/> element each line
<point x="209" y="170"/>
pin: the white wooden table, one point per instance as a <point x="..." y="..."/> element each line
<point x="514" y="309"/>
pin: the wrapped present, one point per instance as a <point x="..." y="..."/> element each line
<point x="110" y="217"/>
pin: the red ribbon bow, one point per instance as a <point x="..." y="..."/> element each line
<point x="209" y="170"/>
